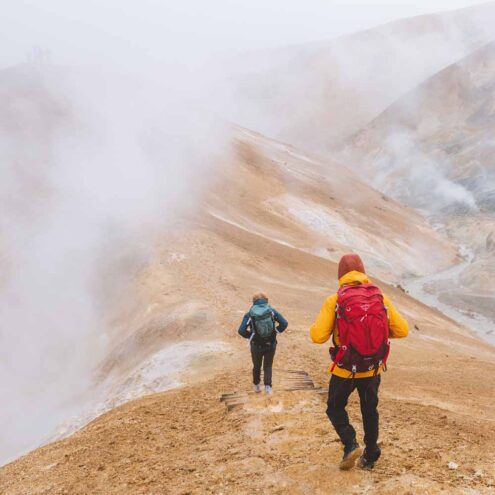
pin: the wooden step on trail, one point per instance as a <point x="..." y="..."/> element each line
<point x="284" y="380"/>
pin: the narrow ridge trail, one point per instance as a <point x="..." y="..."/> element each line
<point x="186" y="441"/>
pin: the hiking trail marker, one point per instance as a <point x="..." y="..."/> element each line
<point x="287" y="381"/>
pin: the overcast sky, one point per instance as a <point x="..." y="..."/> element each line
<point x="86" y="30"/>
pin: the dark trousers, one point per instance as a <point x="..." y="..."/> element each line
<point x="338" y="393"/>
<point x="263" y="357"/>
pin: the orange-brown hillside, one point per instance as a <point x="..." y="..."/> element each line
<point x="436" y="405"/>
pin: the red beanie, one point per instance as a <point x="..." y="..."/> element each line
<point x="349" y="263"/>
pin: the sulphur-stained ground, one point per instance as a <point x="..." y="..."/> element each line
<point x="436" y="411"/>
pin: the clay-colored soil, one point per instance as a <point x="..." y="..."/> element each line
<point x="436" y="407"/>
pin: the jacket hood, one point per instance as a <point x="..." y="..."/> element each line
<point x="260" y="302"/>
<point x="349" y="263"/>
<point x="354" y="277"/>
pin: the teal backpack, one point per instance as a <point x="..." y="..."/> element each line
<point x="263" y="321"/>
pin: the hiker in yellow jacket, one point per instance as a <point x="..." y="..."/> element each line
<point x="343" y="382"/>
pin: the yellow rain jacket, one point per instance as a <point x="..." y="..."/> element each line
<point x="324" y="325"/>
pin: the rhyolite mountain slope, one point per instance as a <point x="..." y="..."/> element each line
<point x="267" y="224"/>
<point x="434" y="150"/>
<point x="143" y="329"/>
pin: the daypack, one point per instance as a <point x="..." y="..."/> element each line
<point x="362" y="322"/>
<point x="263" y="321"/>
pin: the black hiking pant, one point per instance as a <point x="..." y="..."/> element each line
<point x="263" y="357"/>
<point x="338" y="393"/>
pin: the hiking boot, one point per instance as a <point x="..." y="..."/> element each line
<point x="268" y="389"/>
<point x="351" y="453"/>
<point x="368" y="459"/>
<point x="257" y="388"/>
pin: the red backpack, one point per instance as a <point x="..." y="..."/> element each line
<point x="362" y="322"/>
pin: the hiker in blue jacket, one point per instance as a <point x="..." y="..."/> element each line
<point x="260" y="325"/>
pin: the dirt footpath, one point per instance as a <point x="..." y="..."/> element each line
<point x="186" y="441"/>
